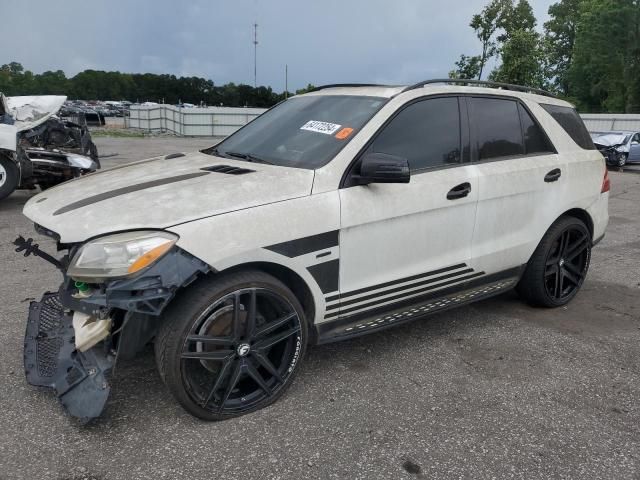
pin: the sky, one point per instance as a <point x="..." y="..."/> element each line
<point x="322" y="41"/>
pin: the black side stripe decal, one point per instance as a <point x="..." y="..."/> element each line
<point x="402" y="296"/>
<point x="304" y="245"/>
<point x="394" y="282"/>
<point x="326" y="274"/>
<point x="123" y="191"/>
<point x="401" y="289"/>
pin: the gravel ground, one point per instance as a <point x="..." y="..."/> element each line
<point x="492" y="390"/>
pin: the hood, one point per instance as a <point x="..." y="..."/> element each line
<point x="611" y="139"/>
<point x="33" y="110"/>
<point x="162" y="192"/>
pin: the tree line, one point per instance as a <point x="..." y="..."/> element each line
<point x="135" y="87"/>
<point x="588" y="52"/>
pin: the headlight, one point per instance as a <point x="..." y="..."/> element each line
<point x="119" y="255"/>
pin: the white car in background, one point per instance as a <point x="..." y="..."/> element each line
<point x="336" y="213"/>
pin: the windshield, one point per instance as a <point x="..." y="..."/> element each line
<point x="303" y="132"/>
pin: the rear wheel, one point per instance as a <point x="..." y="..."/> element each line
<point x="231" y="345"/>
<point x="9" y="176"/>
<point x="558" y="267"/>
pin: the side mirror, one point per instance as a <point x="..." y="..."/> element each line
<point x="382" y="168"/>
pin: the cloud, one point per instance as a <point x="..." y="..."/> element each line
<point x="322" y="42"/>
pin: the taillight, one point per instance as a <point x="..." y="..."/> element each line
<point x="606" y="183"/>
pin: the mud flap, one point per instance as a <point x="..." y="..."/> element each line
<point x="51" y="360"/>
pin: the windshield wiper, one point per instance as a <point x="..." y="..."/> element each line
<point x="248" y="157"/>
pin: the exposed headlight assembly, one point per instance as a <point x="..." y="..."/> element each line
<point x="119" y="255"/>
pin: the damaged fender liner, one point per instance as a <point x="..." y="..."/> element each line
<point x="80" y="379"/>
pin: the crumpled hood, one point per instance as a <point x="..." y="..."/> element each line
<point x="161" y="192"/>
<point x="29" y="111"/>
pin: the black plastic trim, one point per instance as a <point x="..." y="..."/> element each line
<point x="403" y="295"/>
<point x="394" y="282"/>
<point x="326" y="275"/>
<point x="328" y="331"/>
<point x="304" y="245"/>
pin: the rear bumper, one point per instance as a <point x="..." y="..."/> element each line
<point x="51" y="360"/>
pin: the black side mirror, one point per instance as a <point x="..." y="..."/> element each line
<point x="382" y="168"/>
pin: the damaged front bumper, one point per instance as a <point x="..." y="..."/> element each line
<point x="73" y="340"/>
<point x="51" y="359"/>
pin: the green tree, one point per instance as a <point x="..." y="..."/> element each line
<point x="486" y="24"/>
<point x="520" y="50"/>
<point x="467" y="67"/>
<point x="604" y="74"/>
<point x="559" y="40"/>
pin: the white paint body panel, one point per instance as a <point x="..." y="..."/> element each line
<point x="390" y="231"/>
<point x="8" y="137"/>
<point x="164" y="205"/>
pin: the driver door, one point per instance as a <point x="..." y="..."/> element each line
<point x="400" y="242"/>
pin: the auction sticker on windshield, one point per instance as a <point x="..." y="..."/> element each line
<point x="321" y="127"/>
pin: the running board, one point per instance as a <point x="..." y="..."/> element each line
<point x="51" y="360"/>
<point x="351" y="326"/>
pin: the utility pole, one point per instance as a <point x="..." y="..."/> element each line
<point x="255" y="55"/>
<point x="286" y="81"/>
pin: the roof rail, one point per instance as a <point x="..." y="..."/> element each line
<point x="482" y="83"/>
<point x="336" y="85"/>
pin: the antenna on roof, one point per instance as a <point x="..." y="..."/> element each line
<point x="255" y="55"/>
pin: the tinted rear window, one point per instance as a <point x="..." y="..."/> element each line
<point x="571" y="122"/>
<point x="496" y="124"/>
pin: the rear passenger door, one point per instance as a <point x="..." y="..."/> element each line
<point x="521" y="181"/>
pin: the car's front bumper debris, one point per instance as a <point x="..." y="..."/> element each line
<point x="52" y="360"/>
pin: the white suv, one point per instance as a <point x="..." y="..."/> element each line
<point x="336" y="213"/>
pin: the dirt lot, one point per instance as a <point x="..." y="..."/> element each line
<point x="491" y="390"/>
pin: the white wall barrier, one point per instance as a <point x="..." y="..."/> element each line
<point x="223" y="121"/>
<point x="605" y="122"/>
<point x="190" y="122"/>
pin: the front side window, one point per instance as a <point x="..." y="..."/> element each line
<point x="636" y="138"/>
<point x="496" y="124"/>
<point x="303" y="132"/>
<point x="426" y="133"/>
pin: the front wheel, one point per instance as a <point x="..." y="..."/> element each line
<point x="559" y="265"/>
<point x="9" y="176"/>
<point x="622" y="159"/>
<point x="231" y="345"/>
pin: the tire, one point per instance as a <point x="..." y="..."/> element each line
<point x="9" y="175"/>
<point x="622" y="160"/>
<point x="557" y="269"/>
<point x="215" y="360"/>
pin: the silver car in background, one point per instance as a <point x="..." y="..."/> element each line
<point x="619" y="147"/>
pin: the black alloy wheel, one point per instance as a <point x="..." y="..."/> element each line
<point x="559" y="265"/>
<point x="567" y="262"/>
<point x="239" y="352"/>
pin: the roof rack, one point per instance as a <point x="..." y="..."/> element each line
<point x="483" y="83"/>
<point x="336" y="85"/>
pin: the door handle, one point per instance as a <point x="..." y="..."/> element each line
<point x="459" y="191"/>
<point x="553" y="175"/>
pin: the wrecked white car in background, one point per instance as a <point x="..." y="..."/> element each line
<point x="618" y="148"/>
<point x="39" y="149"/>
